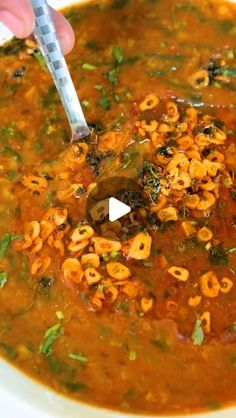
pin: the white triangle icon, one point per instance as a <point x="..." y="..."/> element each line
<point x="117" y="209"/>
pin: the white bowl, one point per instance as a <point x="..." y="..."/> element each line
<point x="23" y="397"/>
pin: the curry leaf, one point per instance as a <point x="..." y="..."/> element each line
<point x="218" y="256"/>
<point x="49" y="337"/>
<point x="198" y="334"/>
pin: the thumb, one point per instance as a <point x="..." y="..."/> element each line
<point x="17" y="16"/>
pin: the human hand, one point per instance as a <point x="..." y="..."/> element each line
<point x="18" y="16"/>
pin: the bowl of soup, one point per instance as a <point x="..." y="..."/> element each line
<point x="132" y="316"/>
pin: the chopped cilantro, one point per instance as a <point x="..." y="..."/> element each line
<point x="104" y="103"/>
<point x="114" y="254"/>
<point x="85" y="103"/>
<point x="98" y="87"/>
<point x="198" y="334"/>
<point x="60" y="315"/>
<point x="164" y="44"/>
<point x="3" y="279"/>
<point x="76" y="387"/>
<point x="9" y="350"/>
<point x="105" y="257"/>
<point x="113" y="75"/>
<point x="101" y="287"/>
<point x="39" y="57"/>
<point x="93" y="45"/>
<point x="56" y="365"/>
<point x="118" y="54"/>
<point x="17" y="236"/>
<point x="132" y="355"/>
<point x="123" y="306"/>
<point x="229" y="53"/>
<point x="78" y="357"/>
<point x="49" y="337"/>
<point x="4" y="243"/>
<point x="88" y="67"/>
<point x="12" y="153"/>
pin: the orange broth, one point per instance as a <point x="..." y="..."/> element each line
<point x="154" y="333"/>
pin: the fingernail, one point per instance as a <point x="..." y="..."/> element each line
<point x="13" y="22"/>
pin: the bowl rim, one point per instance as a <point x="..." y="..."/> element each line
<point x="29" y="397"/>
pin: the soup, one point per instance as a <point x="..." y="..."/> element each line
<point x="138" y="314"/>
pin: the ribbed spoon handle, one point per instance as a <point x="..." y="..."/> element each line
<point x="47" y="39"/>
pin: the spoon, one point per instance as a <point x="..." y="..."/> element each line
<point x="47" y="39"/>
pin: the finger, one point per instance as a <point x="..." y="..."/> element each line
<point x="17" y="16"/>
<point x="64" y="30"/>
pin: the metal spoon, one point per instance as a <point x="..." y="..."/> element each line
<point x="47" y="39"/>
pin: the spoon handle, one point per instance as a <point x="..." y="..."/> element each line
<point x="47" y="39"/>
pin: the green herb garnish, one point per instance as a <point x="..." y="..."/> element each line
<point x="78" y="357"/>
<point x="4" y="244"/>
<point x="9" y="350"/>
<point x="150" y="180"/>
<point x="104" y="103"/>
<point x="118" y="54"/>
<point x="198" y="334"/>
<point x="39" y="57"/>
<point x="60" y="315"/>
<point x="113" y="75"/>
<point x="88" y="67"/>
<point x="3" y="278"/>
<point x="76" y="387"/>
<point x="49" y="337"/>
<point x="132" y="355"/>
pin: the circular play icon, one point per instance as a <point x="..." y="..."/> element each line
<point x="116" y="208"/>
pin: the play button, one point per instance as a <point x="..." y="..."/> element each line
<point x="117" y="209"/>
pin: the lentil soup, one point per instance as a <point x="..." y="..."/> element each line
<point x="142" y="322"/>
